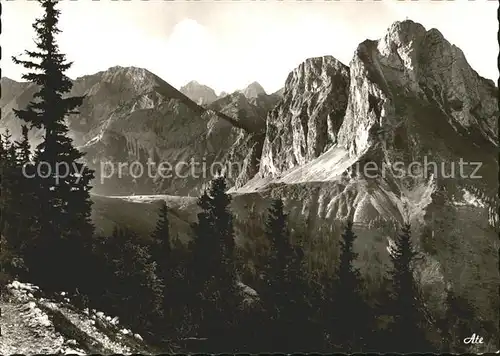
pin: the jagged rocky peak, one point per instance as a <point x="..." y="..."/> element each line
<point x="414" y="74"/>
<point x="242" y="109"/>
<point x="136" y="79"/>
<point x="118" y="85"/>
<point x="199" y="93"/>
<point x="306" y="120"/>
<point x="253" y="90"/>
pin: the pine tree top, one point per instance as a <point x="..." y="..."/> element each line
<point x="348" y="277"/>
<point x="403" y="253"/>
<point x="46" y="67"/>
<point x="276" y="222"/>
<point x="48" y="109"/>
<point x="161" y="234"/>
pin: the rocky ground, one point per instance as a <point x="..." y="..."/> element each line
<point x="33" y="324"/>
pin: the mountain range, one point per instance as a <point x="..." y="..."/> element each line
<point x="130" y="114"/>
<point x="410" y="96"/>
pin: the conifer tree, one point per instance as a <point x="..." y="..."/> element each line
<point x="408" y="325"/>
<point x="9" y="192"/>
<point x="161" y="239"/>
<point x="349" y="310"/>
<point x="280" y="249"/>
<point x="6" y="175"/>
<point x="64" y="202"/>
<point x="136" y="286"/>
<point x="8" y="228"/>
<point x="169" y="273"/>
<point x="23" y="146"/>
<point x="285" y="289"/>
<point x="212" y="270"/>
<point x="21" y="208"/>
<point x="456" y="323"/>
<point x="16" y="199"/>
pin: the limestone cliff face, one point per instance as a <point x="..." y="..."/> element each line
<point x="410" y="97"/>
<point x="306" y="120"/>
<point x="396" y="80"/>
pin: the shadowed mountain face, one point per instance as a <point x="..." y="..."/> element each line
<point x="336" y="142"/>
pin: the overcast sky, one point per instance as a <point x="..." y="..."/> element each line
<point x="228" y="44"/>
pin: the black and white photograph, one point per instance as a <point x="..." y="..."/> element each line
<point x="243" y="176"/>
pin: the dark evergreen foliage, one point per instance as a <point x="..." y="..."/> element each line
<point x="212" y="275"/>
<point x="409" y="324"/>
<point x="349" y="318"/>
<point x="171" y="271"/>
<point x="135" y="283"/>
<point x="62" y="182"/>
<point x="284" y="293"/>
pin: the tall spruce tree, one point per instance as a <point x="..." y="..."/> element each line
<point x="8" y="176"/>
<point x="213" y="269"/>
<point x="349" y="317"/>
<point x="169" y="272"/>
<point x="456" y="324"/>
<point x="285" y="290"/>
<point x="24" y="147"/>
<point x="7" y="170"/>
<point x="408" y="326"/>
<point x="135" y="285"/>
<point x="64" y="224"/>
<point x="21" y="210"/>
<point x="12" y="193"/>
<point x="161" y="239"/>
<point x="280" y="253"/>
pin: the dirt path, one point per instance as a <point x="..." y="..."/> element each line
<point x="26" y="331"/>
<point x="31" y="324"/>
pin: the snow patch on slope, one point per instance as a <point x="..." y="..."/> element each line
<point x="469" y="199"/>
<point x="327" y="167"/>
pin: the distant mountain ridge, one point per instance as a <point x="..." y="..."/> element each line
<point x="253" y="90"/>
<point x="200" y="94"/>
<point x="131" y="114"/>
<point x="204" y="95"/>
